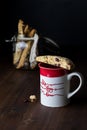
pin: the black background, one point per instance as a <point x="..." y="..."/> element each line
<point x="65" y="21"/>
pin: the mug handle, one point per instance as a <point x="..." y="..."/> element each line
<point x="69" y="76"/>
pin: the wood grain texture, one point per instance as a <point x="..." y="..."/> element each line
<point x="16" y="113"/>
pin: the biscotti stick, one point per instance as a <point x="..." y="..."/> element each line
<point x="18" y="51"/>
<point x="26" y="50"/>
<point x="27" y="30"/>
<point x="16" y="56"/>
<point x="20" y="27"/>
<point x="58" y="61"/>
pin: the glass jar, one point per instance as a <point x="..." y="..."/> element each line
<point x="25" y="52"/>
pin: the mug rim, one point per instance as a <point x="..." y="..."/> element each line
<point x="51" y="71"/>
<point x="50" y="67"/>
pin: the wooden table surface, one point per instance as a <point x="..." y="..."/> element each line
<point x="16" y="113"/>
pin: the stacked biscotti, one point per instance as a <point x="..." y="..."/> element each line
<point x="21" y="56"/>
<point x="22" y="48"/>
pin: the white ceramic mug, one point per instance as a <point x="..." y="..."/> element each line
<point x="55" y="85"/>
